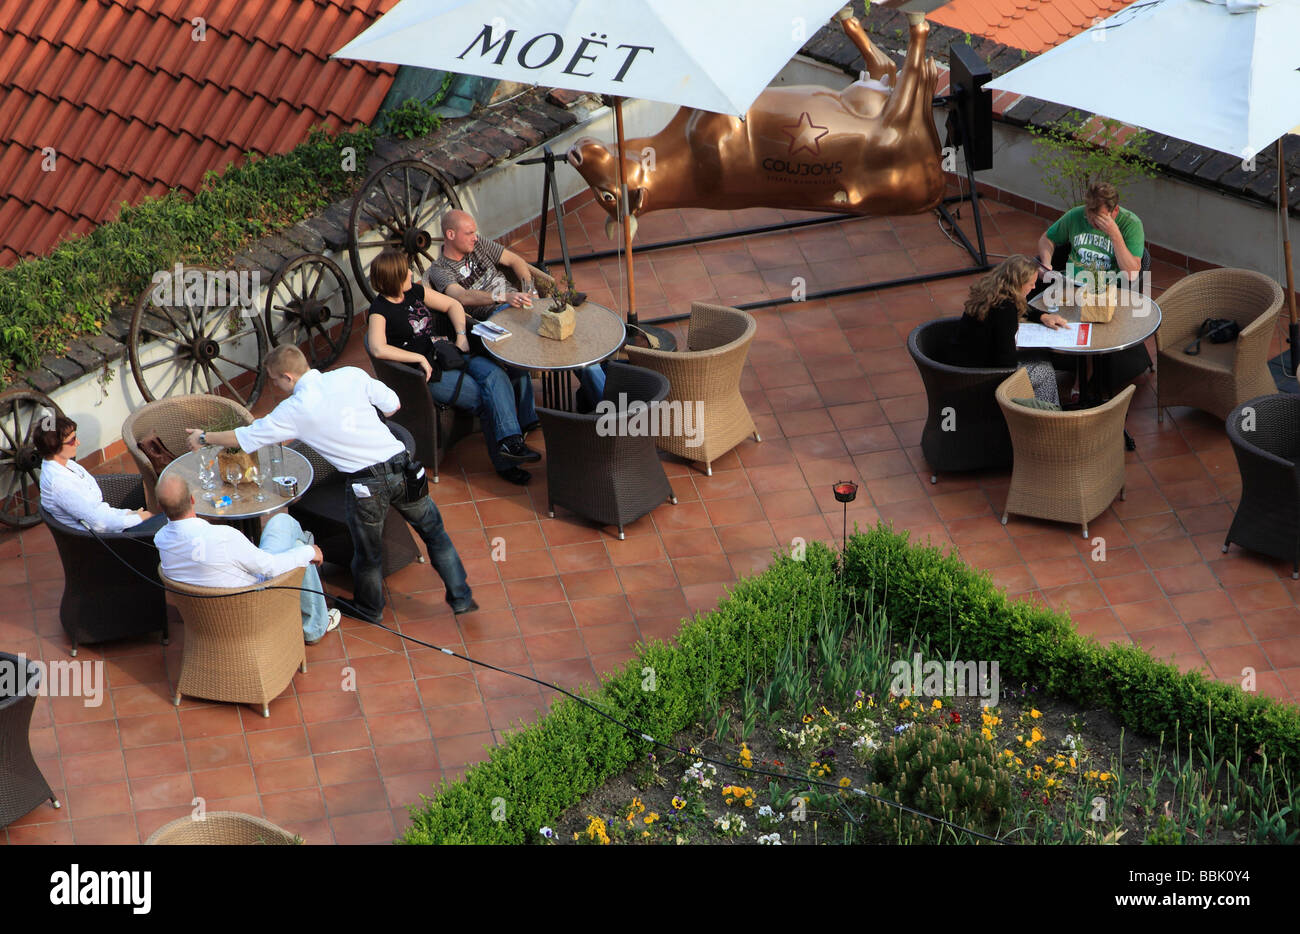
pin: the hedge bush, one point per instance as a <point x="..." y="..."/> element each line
<point x="49" y="301"/>
<point x="545" y="768"/>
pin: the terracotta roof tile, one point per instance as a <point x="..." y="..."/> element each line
<point x="133" y="104"/>
<point x="1033" y="25"/>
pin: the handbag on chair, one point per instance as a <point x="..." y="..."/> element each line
<point x="1217" y="330"/>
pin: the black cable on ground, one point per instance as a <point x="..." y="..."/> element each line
<point x="581" y="700"/>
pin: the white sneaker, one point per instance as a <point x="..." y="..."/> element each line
<point x="335" y="618"/>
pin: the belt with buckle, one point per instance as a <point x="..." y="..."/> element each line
<point x="394" y="464"/>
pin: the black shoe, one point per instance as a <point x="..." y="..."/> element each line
<point x="515" y="475"/>
<point x="513" y="448"/>
<point x="579" y="298"/>
<point x="469" y="609"/>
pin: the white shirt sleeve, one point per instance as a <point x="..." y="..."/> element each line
<point x="276" y="426"/>
<point x="242" y="553"/>
<point x="382" y="396"/>
<point x="74" y="494"/>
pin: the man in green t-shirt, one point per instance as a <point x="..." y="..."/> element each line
<point x="1099" y="233"/>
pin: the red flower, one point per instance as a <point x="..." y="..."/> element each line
<point x="956" y="717"/>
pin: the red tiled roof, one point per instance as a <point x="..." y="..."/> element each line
<point x="1033" y="25"/>
<point x="134" y="106"/>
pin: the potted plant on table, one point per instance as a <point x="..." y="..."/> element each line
<point x="1098" y="294"/>
<point x="559" y="320"/>
<point x="234" y="456"/>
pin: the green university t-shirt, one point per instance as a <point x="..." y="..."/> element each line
<point x="1090" y="245"/>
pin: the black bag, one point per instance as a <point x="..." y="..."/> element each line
<point x="417" y="481"/>
<point x="1218" y="330"/>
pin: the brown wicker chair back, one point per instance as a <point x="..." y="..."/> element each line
<point x="1221" y="376"/>
<point x="242" y="645"/>
<point x="221" y="828"/>
<point x="1068" y="466"/>
<point x="707" y="372"/>
<point x="168" y="418"/>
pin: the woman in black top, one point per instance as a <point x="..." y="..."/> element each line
<point x="986" y="335"/>
<point x="402" y="328"/>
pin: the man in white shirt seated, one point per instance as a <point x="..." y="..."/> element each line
<point x="194" y="551"/>
<point x="70" y="494"/>
<point x="335" y="413"/>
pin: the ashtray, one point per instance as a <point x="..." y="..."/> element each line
<point x="286" y="486"/>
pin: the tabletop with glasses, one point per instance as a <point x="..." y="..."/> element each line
<point x="253" y="493"/>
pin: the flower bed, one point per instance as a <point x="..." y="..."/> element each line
<point x="930" y="603"/>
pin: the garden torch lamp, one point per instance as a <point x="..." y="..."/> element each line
<point x="846" y="491"/>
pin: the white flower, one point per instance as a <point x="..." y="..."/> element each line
<point x="548" y="833"/>
<point x="771" y="839"/>
<point x="765" y="811"/>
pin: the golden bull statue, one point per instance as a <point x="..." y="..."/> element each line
<point x="869" y="149"/>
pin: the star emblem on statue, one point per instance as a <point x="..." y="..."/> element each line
<point x="805" y="134"/>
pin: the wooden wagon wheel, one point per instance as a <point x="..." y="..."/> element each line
<point x="308" y="298"/>
<point x="403" y="203"/>
<point x="199" y="336"/>
<point x="22" y="413"/>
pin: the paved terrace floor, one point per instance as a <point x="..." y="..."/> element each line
<point x="835" y="396"/>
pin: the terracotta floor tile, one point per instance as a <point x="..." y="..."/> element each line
<point x="162" y="791"/>
<point x="1165" y="642"/>
<point x="1131" y="588"/>
<point x="1234" y="570"/>
<point x="509" y="713"/>
<point x="1266" y="595"/>
<point x="1283" y="653"/>
<point x="114" y="830"/>
<point x="1150" y="614"/>
<point x="405" y="789"/>
<point x="99" y="736"/>
<point x="1097" y="623"/>
<point x="1085" y="595"/>
<point x="286" y="743"/>
<point x="216" y="752"/>
<point x="1228" y="662"/>
<point x="688" y="544"/>
<point x="285" y="774"/>
<point x="229" y="782"/>
<point x="290" y="807"/>
<point x="462" y="750"/>
<point x="1219" y="632"/>
<point x="527" y="564"/>
<point x="1269" y="624"/>
<point x="151" y="730"/>
<point x="546" y="617"/>
<point x="1188" y="579"/>
<point x="746" y="537"/>
<point x="363" y="828"/>
<point x="703" y="569"/>
<point x="94" y="768"/>
<point x="601" y="611"/>
<point x="976" y="530"/>
<point x="1056" y="572"/>
<point x="1212" y="518"/>
<point x="537" y="590"/>
<point x="494" y="684"/>
<point x="1167" y="553"/>
<point x="788" y="504"/>
<point x="97" y="800"/>
<point x="737" y="510"/>
<point x="1208" y="604"/>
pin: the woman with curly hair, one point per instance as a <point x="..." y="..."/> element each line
<point x="986" y="335"/>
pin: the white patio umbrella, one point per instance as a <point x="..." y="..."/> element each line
<point x="712" y="54"/>
<point x="1218" y="73"/>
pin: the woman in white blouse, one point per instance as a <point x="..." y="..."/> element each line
<point x="71" y="495"/>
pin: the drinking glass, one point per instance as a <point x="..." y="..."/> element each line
<point x="208" y="473"/>
<point x="277" y="459"/>
<point x="233" y="475"/>
<point x="258" y="477"/>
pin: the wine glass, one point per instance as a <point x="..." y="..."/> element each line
<point x="258" y="477"/>
<point x="207" y="474"/>
<point x="233" y="475"/>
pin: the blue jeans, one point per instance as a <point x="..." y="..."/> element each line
<point x="282" y="533"/>
<point x="592" y="381"/>
<point x="525" y="404"/>
<point x="365" y="516"/>
<point x="487" y="392"/>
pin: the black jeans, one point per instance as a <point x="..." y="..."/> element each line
<point x="365" y="514"/>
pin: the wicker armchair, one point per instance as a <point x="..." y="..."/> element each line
<point x="221" y="828"/>
<point x="707" y="372"/>
<point x="102" y="598"/>
<point x="1068" y="466"/>
<point x="242" y="644"/>
<point x="434" y="426"/>
<point x="22" y="786"/>
<point x="1221" y="376"/>
<point x="1268" y="455"/>
<point x="320" y="511"/>
<point x="612" y="479"/>
<point x="979" y="437"/>
<point x="168" y="418"/>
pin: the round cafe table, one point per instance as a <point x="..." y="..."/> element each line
<point x="598" y="334"/>
<point x="246" y="513"/>
<point x="1136" y="319"/>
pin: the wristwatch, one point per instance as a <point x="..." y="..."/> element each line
<point x="203" y="437"/>
<point x="460" y="333"/>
